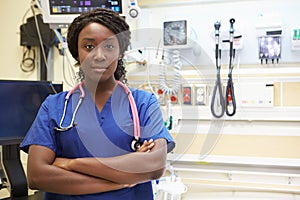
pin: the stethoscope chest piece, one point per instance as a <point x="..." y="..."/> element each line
<point x="136" y="143"/>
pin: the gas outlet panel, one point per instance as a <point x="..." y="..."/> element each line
<point x="187" y="94"/>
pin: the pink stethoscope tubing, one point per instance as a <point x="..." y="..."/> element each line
<point x="135" y="115"/>
<point x="136" y="122"/>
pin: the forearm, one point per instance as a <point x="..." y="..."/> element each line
<point x="127" y="169"/>
<point x="65" y="182"/>
<point x="118" y="170"/>
<point x="42" y="175"/>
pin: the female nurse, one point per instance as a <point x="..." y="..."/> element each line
<point x="93" y="159"/>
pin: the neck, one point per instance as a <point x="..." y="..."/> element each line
<point x="100" y="88"/>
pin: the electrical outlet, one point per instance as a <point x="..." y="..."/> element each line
<point x="200" y="94"/>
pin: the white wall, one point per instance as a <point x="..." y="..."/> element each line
<point x="11" y="14"/>
<point x="202" y="16"/>
<point x="190" y="164"/>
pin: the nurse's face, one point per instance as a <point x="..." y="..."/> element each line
<point x="98" y="50"/>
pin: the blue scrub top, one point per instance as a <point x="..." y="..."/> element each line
<point x="98" y="134"/>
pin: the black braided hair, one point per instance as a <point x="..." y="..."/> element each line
<point x="110" y="19"/>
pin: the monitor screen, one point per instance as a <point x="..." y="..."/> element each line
<point x="60" y="13"/>
<point x="19" y="104"/>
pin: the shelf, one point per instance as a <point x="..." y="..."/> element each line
<point x="285" y="114"/>
<point x="238" y="177"/>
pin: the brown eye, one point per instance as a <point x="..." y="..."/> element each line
<point x="89" y="46"/>
<point x="110" y="46"/>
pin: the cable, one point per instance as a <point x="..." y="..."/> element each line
<point x="148" y="68"/>
<point x="217" y="100"/>
<point x="230" y="97"/>
<point x="62" y="47"/>
<point x="64" y="72"/>
<point x="71" y="69"/>
<point x="52" y="88"/>
<point x="23" y="19"/>
<point x="28" y="60"/>
<point x="39" y="33"/>
<point x="149" y="81"/>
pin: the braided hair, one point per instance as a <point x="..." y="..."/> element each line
<point x="110" y="19"/>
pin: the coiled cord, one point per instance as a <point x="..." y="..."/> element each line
<point x="176" y="80"/>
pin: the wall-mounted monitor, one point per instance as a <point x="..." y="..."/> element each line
<point x="19" y="104"/>
<point x="60" y="13"/>
<point x="269" y="47"/>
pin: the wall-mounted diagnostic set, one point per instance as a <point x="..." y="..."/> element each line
<point x="269" y="32"/>
<point x="219" y="104"/>
<point x="269" y="48"/>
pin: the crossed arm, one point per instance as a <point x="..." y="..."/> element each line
<point x="92" y="175"/>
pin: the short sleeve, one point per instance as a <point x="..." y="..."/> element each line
<point x="151" y="120"/>
<point x="40" y="132"/>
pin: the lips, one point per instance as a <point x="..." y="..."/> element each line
<point x="98" y="69"/>
<point x="99" y="66"/>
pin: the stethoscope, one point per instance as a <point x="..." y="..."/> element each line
<point x="135" y="144"/>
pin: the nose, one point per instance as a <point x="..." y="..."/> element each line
<point x="98" y="54"/>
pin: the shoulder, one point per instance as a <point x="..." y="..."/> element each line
<point x="55" y="99"/>
<point x="58" y="95"/>
<point x="142" y="96"/>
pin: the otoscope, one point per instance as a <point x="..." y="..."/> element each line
<point x="218" y="84"/>
<point x="230" y="98"/>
